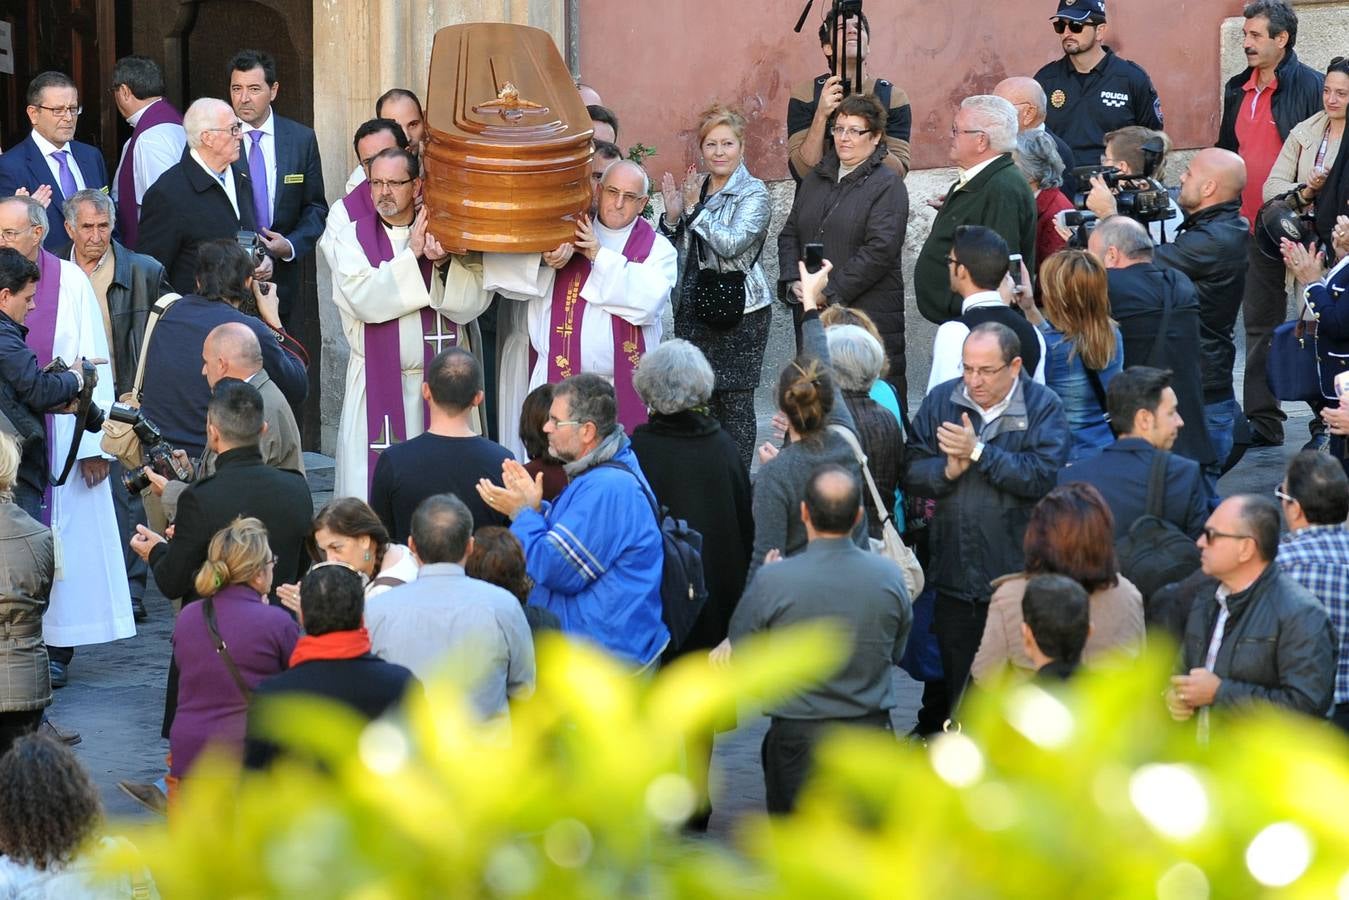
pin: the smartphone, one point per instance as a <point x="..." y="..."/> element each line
<point x="1342" y="384"/>
<point x="1014" y="270"/>
<point x="814" y="256"/>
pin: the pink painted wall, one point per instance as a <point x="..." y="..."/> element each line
<point x="659" y="69"/>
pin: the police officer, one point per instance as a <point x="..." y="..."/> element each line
<point x="810" y="109"/>
<point x="26" y="392"/>
<point x="1091" y="90"/>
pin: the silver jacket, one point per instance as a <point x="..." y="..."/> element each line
<point x="733" y="225"/>
<point x="27" y="564"/>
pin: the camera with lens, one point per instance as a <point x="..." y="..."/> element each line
<point x="1141" y="197"/>
<point x="252" y="245"/>
<point x="84" y="401"/>
<point x="156" y="452"/>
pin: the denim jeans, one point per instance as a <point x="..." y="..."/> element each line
<point x="1219" y="419"/>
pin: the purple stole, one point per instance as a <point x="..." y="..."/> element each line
<point x="41" y="324"/>
<point x="128" y="213"/>
<point x="385" y="424"/>
<point x="568" y="312"/>
<point x="358" y="203"/>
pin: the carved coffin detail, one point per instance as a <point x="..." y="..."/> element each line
<point x="508" y="153"/>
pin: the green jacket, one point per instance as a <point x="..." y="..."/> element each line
<point x="997" y="198"/>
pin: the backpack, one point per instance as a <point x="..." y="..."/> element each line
<point x="1155" y="552"/>
<point x="683" y="590"/>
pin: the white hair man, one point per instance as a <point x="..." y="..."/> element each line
<point x="594" y="304"/>
<point x="990" y="191"/>
<point x="206" y="196"/>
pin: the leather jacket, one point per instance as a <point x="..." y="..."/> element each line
<point x="27" y="563"/>
<point x="137" y="282"/>
<point x="733" y="225"/>
<point x="1210" y="249"/>
<point x="1278" y="645"/>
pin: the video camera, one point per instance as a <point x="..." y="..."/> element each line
<point x="1143" y="199"/>
<point x="157" y="453"/>
<point x="840" y="12"/>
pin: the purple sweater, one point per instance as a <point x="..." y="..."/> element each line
<point x="211" y="709"/>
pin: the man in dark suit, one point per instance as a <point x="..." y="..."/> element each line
<point x="48" y="163"/>
<point x="1143" y="414"/>
<point x="1158" y="314"/>
<point x="243" y="485"/>
<point x="282" y="157"/>
<point x="207" y="195"/>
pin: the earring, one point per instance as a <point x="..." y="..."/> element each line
<point x="367" y="556"/>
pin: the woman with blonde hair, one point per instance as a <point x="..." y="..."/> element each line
<point x="718" y="221"/>
<point x="225" y="644"/>
<point x="1084" y="350"/>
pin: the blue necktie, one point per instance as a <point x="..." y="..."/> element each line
<point x="64" y="175"/>
<point x="257" y="171"/>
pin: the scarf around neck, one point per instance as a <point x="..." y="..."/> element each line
<point x="333" y="645"/>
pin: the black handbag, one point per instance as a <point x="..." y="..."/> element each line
<point x="1302" y="366"/>
<point x="716" y="299"/>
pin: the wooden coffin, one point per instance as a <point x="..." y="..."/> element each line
<point x="508" y="154"/>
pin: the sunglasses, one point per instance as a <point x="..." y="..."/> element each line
<point x="1075" y="27"/>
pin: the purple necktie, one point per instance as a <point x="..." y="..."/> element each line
<point x="257" y="171"/>
<point x="64" y="175"/>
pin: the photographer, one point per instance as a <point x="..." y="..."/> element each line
<point x="1135" y="153"/>
<point x="811" y="109"/>
<point x="26" y="392"/>
<point x="175" y="392"/>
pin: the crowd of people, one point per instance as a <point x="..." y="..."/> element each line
<point x="523" y="449"/>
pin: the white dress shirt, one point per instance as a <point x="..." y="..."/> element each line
<point x="948" y="346"/>
<point x="48" y="148"/>
<point x="227" y="181"/>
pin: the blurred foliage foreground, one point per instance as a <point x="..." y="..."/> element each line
<point x="1092" y="793"/>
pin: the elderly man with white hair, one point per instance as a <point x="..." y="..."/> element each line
<point x="206" y="196"/>
<point x="594" y="304"/>
<point x="989" y="192"/>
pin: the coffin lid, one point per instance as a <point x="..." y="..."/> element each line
<point x="501" y="84"/>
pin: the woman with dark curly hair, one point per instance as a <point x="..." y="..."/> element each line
<point x="497" y="558"/>
<point x="49" y="813"/>
<point x="1071" y="532"/>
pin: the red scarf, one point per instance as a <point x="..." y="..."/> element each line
<point x="333" y="645"/>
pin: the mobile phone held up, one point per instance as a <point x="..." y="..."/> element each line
<point x="1014" y="270"/>
<point x="814" y="257"/>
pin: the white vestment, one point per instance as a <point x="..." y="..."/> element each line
<point x="636" y="292"/>
<point x="90" y="600"/>
<point x="364" y="295"/>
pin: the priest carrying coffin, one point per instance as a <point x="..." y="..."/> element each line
<point x="583" y="286"/>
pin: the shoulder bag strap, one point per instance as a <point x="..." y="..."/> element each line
<point x="1097" y="388"/>
<point x="208" y="609"/>
<point x="162" y="305"/>
<point x="882" y="508"/>
<point x="1157" y="485"/>
<point x="650" y="498"/>
<point x="1154" y="358"/>
<point x="387" y="581"/>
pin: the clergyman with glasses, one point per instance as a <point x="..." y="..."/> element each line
<point x="205" y="197"/>
<point x="50" y="164"/>
<point x="986" y="445"/>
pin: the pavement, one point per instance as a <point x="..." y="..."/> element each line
<point x="116" y="692"/>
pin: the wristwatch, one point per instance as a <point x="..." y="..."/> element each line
<point x="977" y="452"/>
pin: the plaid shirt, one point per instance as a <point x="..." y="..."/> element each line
<point x="1317" y="557"/>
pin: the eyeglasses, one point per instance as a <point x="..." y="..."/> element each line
<point x="390" y="184"/>
<point x="623" y="197"/>
<point x="985" y="372"/>
<point x="952" y="261"/>
<point x="13" y="234"/>
<point x="955" y="131"/>
<point x="1211" y="534"/>
<point x="1278" y="492"/>
<point x="235" y="129"/>
<point x="850" y="133"/>
<point x="558" y="423"/>
<point x="1075" y="27"/>
<point x="62" y="112"/>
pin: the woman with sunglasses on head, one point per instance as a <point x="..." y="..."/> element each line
<point x="225" y="644"/>
<point x="858" y="208"/>
<point x="719" y="224"/>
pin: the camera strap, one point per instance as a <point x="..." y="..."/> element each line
<point x="162" y="305"/>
